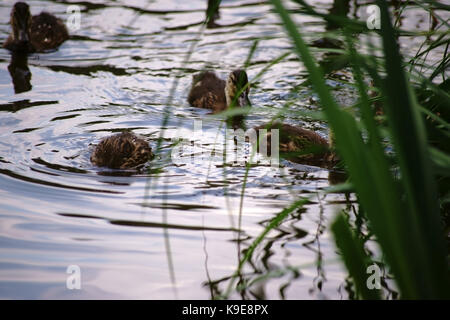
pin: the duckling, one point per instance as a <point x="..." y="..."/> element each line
<point x="296" y="139"/>
<point x="210" y="92"/>
<point x="34" y="33"/>
<point x="121" y="151"/>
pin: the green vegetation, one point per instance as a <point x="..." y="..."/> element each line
<point x="402" y="208"/>
<point x="403" y="195"/>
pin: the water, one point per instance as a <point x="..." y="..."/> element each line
<point x="172" y="234"/>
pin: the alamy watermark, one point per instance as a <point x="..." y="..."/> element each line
<point x="240" y="147"/>
<point x="73" y="281"/>
<point x="374" y="280"/>
<point x="74" y="17"/>
<point x="374" y="19"/>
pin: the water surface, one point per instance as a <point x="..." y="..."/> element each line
<point x="169" y="233"/>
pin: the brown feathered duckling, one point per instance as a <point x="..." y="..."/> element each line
<point x="293" y="139"/>
<point x="34" y="33"/>
<point x="210" y="92"/>
<point x="121" y="151"/>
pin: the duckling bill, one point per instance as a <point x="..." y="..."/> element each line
<point x="310" y="147"/>
<point x="121" y="151"/>
<point x="37" y="33"/>
<point x="208" y="91"/>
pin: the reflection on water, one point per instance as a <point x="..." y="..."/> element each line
<point x="174" y="229"/>
<point x="20" y="73"/>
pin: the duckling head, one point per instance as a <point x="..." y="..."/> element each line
<point x="21" y="23"/>
<point x="237" y="82"/>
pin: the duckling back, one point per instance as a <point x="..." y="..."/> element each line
<point x="208" y="92"/>
<point x="298" y="140"/>
<point x="121" y="151"/>
<point x="47" y="32"/>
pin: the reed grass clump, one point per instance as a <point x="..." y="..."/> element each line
<point x="394" y="143"/>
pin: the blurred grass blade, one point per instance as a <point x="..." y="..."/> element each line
<point x="403" y="212"/>
<point x="355" y="259"/>
<point x="275" y="222"/>
<point x="409" y="140"/>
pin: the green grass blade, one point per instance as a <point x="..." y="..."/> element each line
<point x="409" y="139"/>
<point x="355" y="259"/>
<point x="410" y="238"/>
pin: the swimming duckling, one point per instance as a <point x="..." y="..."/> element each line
<point x="210" y="92"/>
<point x="121" y="151"/>
<point x="297" y="140"/>
<point x="34" y="33"/>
